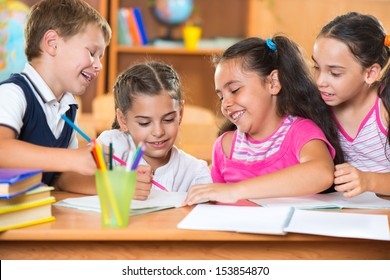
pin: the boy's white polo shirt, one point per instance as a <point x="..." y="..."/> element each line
<point x="13" y="105"/>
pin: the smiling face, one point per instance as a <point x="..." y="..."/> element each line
<point x="339" y="75"/>
<point x="246" y="99"/>
<point x="77" y="60"/>
<point x="155" y="121"/>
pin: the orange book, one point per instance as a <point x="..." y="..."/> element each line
<point x="133" y="28"/>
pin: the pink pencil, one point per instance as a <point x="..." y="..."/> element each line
<point x="122" y="162"/>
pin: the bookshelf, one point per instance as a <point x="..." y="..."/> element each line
<point x="99" y="85"/>
<point x="220" y="18"/>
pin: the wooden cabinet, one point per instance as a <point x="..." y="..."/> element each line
<point x="219" y="18"/>
<point x="99" y="85"/>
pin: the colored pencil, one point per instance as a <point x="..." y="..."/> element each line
<point x="138" y="155"/>
<point x="122" y="162"/>
<point x="110" y="156"/>
<point x="69" y="122"/>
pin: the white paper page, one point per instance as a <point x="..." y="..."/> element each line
<point x="339" y="224"/>
<point x="299" y="202"/>
<point x="159" y="198"/>
<point x="156" y="198"/>
<point x="246" y="219"/>
<point x="367" y="200"/>
<point x="336" y="200"/>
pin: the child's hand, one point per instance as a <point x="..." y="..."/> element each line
<point x="350" y="180"/>
<point x="82" y="161"/>
<point x="144" y="182"/>
<point x="224" y="193"/>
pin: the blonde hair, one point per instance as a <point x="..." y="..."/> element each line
<point x="67" y="17"/>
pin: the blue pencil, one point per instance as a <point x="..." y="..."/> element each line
<point x="138" y="155"/>
<point x="68" y="121"/>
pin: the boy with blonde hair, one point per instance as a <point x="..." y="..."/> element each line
<point x="65" y="41"/>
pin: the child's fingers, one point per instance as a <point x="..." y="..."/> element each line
<point x="144" y="169"/>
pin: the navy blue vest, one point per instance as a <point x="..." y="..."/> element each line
<point x="35" y="129"/>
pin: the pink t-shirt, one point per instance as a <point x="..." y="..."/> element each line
<point x="300" y="131"/>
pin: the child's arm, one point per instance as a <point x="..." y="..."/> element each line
<point x="144" y="182"/>
<point x="19" y="154"/>
<point x="76" y="183"/>
<point x="353" y="182"/>
<point x="314" y="174"/>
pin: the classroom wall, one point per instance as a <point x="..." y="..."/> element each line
<point x="301" y="20"/>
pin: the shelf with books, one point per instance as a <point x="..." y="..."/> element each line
<point x="194" y="67"/>
<point x="163" y="50"/>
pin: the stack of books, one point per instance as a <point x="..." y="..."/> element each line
<point x="131" y="27"/>
<point x="24" y="200"/>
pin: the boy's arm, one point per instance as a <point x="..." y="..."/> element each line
<point x="19" y="154"/>
<point x="76" y="183"/>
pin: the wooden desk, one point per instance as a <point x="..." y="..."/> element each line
<point x="78" y="235"/>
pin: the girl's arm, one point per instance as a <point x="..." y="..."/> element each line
<point x="353" y="182"/>
<point x="314" y="174"/>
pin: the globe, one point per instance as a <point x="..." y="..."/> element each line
<point x="12" y="19"/>
<point x="171" y="12"/>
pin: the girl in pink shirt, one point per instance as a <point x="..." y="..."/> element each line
<point x="349" y="55"/>
<point x="275" y="146"/>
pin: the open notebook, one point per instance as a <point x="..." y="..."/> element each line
<point x="336" y="200"/>
<point x="157" y="200"/>
<point x="281" y="220"/>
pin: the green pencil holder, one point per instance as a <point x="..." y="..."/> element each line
<point x="115" y="189"/>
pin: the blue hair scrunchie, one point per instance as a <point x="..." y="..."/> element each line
<point x="270" y="44"/>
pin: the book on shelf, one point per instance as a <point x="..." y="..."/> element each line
<point x="283" y="220"/>
<point x="134" y="29"/>
<point x="124" y="36"/>
<point x="131" y="27"/>
<point x="25" y="214"/>
<point x="16" y="181"/>
<point x="141" y="25"/>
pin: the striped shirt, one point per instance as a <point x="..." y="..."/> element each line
<point x="249" y="150"/>
<point x="366" y="151"/>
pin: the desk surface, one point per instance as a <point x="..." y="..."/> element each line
<point x="77" y="234"/>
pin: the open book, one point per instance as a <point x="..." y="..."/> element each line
<point x="281" y="220"/>
<point x="157" y="200"/>
<point x="336" y="200"/>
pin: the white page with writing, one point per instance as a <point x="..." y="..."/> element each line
<point x="338" y="224"/>
<point x="244" y="219"/>
<point x="157" y="198"/>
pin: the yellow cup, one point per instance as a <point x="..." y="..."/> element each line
<point x="191" y="36"/>
<point x="115" y="189"/>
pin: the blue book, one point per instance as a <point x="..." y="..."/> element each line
<point x="17" y="181"/>
<point x="141" y="25"/>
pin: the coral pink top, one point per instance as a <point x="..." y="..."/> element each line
<point x="250" y="158"/>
